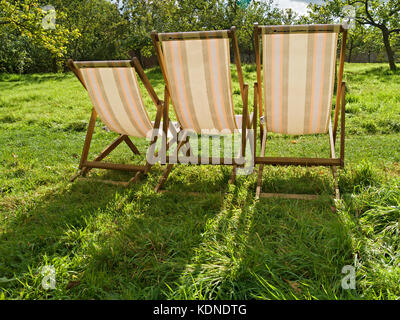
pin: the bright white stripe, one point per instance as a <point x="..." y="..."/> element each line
<point x="217" y="83"/>
<point x="277" y="80"/>
<point x="95" y="95"/>
<point x="197" y="83"/>
<point x="135" y="103"/>
<point x="110" y="87"/>
<point x="297" y="82"/>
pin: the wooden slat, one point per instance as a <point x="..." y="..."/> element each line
<point x="196" y="194"/>
<point x="309" y="162"/>
<point x="211" y="161"/>
<point x="114" y="166"/>
<point x="103" y="64"/>
<point x="115" y="183"/>
<point x="306" y="28"/>
<point x="339" y="82"/>
<point x="342" y="125"/>
<point x="214" y="34"/>
<point x="289" y="196"/>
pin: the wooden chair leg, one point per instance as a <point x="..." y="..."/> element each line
<point x="169" y="168"/>
<point x="105" y="152"/>
<point x="333" y="155"/>
<point x="261" y="166"/>
<point x="164" y="177"/>
<point x="135" y="178"/>
<point x="335" y="182"/>
<point x="86" y="146"/>
<point x="131" y="145"/>
<point x="88" y="138"/>
<point x="233" y="175"/>
<point x="75" y="176"/>
<point x="259" y="180"/>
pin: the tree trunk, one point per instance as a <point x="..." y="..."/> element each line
<point x="389" y="51"/>
<point x="350" y="51"/>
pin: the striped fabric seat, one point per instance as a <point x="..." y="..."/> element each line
<point x="199" y="79"/>
<point x="116" y="97"/>
<point x="298" y="70"/>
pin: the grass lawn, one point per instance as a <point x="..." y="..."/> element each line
<point x="108" y="242"/>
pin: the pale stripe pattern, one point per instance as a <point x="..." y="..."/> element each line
<point x="199" y="80"/>
<point x="117" y="99"/>
<point x="298" y="71"/>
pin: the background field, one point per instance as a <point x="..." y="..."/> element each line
<point x="110" y="242"/>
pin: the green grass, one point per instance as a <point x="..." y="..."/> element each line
<point x="107" y="242"/>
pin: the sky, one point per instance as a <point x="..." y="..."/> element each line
<point x="300" y="6"/>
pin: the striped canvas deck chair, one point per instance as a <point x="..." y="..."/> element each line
<point x="117" y="100"/>
<point x="297" y="75"/>
<point x="196" y="69"/>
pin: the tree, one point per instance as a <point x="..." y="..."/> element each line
<point x="25" y="17"/>
<point x="101" y="26"/>
<point x="383" y="15"/>
<point x="189" y="15"/>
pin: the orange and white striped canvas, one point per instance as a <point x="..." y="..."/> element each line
<point x="199" y="80"/>
<point x="117" y="99"/>
<point x="298" y="71"/>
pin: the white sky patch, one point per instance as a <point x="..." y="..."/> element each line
<point x="299" y="6"/>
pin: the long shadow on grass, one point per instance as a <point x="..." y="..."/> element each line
<point x="157" y="235"/>
<point x="268" y="249"/>
<point x="32" y="78"/>
<point x="381" y="72"/>
<point x="151" y="247"/>
<point x="117" y="242"/>
<point x="294" y="249"/>
<point x="37" y="229"/>
<point x="136" y="244"/>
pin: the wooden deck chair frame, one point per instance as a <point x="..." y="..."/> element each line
<point x="246" y="119"/>
<point x="85" y="166"/>
<point x="333" y="161"/>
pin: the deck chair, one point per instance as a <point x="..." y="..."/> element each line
<point x="298" y="71"/>
<point x="196" y="69"/>
<point x="117" y="99"/>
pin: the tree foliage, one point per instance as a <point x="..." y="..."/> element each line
<point x="25" y="17"/>
<point x="108" y="29"/>
<point x="383" y="15"/>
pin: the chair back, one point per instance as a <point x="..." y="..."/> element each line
<point x="299" y="64"/>
<point x="114" y="90"/>
<point x="196" y="67"/>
